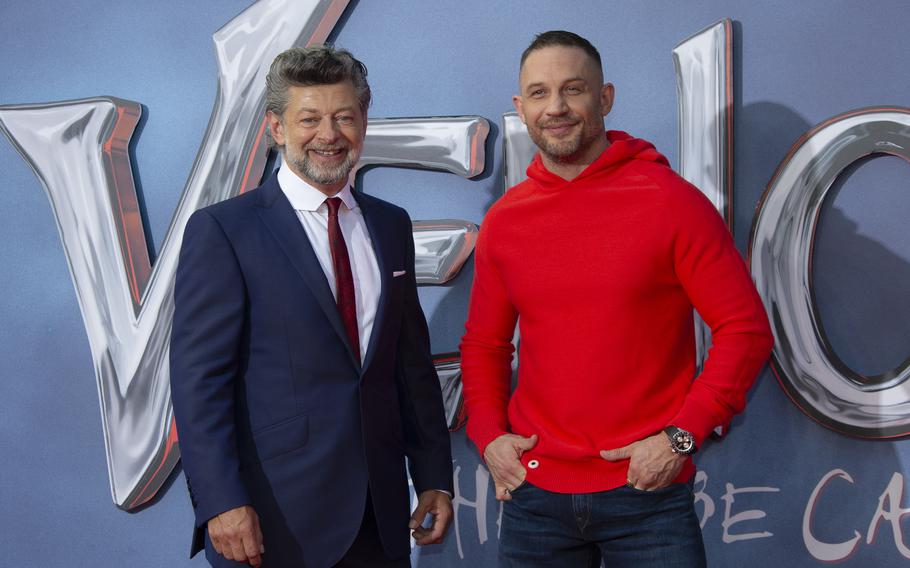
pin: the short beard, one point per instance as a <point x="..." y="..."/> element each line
<point x="320" y="174"/>
<point x="565" y="151"/>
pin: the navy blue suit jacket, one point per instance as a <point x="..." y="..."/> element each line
<point x="273" y="409"/>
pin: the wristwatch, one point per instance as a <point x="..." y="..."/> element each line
<point x="681" y="441"/>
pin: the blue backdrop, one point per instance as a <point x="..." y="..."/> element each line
<point x="796" y="64"/>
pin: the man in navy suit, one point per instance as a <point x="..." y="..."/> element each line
<point x="301" y="373"/>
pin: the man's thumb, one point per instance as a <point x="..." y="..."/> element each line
<point x="419" y="514"/>
<point x="527" y="443"/>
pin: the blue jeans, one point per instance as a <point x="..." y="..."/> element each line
<point x="623" y="527"/>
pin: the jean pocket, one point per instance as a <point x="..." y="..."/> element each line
<point x="521" y="487"/>
<point x="660" y="491"/>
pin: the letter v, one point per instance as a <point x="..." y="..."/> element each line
<point x="79" y="150"/>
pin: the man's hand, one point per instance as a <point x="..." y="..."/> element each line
<point x="652" y="464"/>
<point x="439" y="505"/>
<point x="235" y="535"/>
<point x="502" y="459"/>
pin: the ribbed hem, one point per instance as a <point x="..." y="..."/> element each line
<point x="583" y="476"/>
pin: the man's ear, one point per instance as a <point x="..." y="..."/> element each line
<point x="606" y="98"/>
<point x="276" y="127"/>
<point x="516" y="100"/>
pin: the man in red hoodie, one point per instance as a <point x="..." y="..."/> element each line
<point x="602" y="253"/>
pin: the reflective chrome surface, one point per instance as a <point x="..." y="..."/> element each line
<point x="78" y="149"/>
<point x="517" y="150"/>
<point x="704" y="88"/>
<point x="452" y="144"/>
<point x="781" y="259"/>
<point x="442" y="247"/>
<point x="448" y="366"/>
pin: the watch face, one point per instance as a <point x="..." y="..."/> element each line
<point x="681" y="441"/>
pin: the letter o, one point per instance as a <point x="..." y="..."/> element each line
<point x="780" y="255"/>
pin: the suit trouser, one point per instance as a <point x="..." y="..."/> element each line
<point x="367" y="551"/>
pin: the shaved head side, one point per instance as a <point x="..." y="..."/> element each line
<point x="562" y="38"/>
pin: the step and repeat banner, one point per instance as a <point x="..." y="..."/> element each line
<point x="119" y="121"/>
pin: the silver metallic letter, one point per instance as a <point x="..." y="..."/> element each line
<point x="704" y="87"/>
<point x="518" y="150"/>
<point x="441" y="249"/>
<point x="781" y="247"/>
<point x="452" y="144"/>
<point x="448" y="367"/>
<point x="78" y="149"/>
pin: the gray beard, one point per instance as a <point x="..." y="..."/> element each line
<point x="323" y="175"/>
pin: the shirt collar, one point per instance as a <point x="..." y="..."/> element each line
<point x="305" y="197"/>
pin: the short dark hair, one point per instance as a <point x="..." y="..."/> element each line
<point x="314" y="65"/>
<point x="564" y="39"/>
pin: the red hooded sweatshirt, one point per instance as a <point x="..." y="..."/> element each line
<point x="602" y="273"/>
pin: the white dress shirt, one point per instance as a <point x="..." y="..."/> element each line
<point x="309" y="203"/>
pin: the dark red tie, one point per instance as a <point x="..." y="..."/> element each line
<point x="344" y="280"/>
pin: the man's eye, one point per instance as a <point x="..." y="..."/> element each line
<point x="538" y="93"/>
<point x="309" y="121"/>
<point x="345" y="120"/>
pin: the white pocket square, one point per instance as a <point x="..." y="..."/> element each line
<point x="398" y="273"/>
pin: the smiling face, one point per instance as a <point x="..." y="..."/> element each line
<point x="321" y="133"/>
<point x="562" y="102"/>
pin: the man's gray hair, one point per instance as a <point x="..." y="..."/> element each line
<point x="314" y="65"/>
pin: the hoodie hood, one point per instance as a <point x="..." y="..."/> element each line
<point x="622" y="149"/>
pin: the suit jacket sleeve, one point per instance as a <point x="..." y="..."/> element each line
<point x="426" y="434"/>
<point x="209" y="305"/>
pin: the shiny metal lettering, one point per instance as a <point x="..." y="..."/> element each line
<point x="704" y="87"/>
<point x="79" y="152"/>
<point x="448" y="366"/>
<point x="518" y="150"/>
<point x="451" y="144"/>
<point x="441" y="248"/>
<point x="783" y="231"/>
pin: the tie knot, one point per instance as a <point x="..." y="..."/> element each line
<point x="334" y="203"/>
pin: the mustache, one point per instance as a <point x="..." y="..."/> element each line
<point x="325" y="148"/>
<point x="557" y="123"/>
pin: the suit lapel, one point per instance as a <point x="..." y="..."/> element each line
<point x="382" y="235"/>
<point x="281" y="221"/>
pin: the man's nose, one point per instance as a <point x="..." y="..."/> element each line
<point x="327" y="131"/>
<point x="557" y="105"/>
